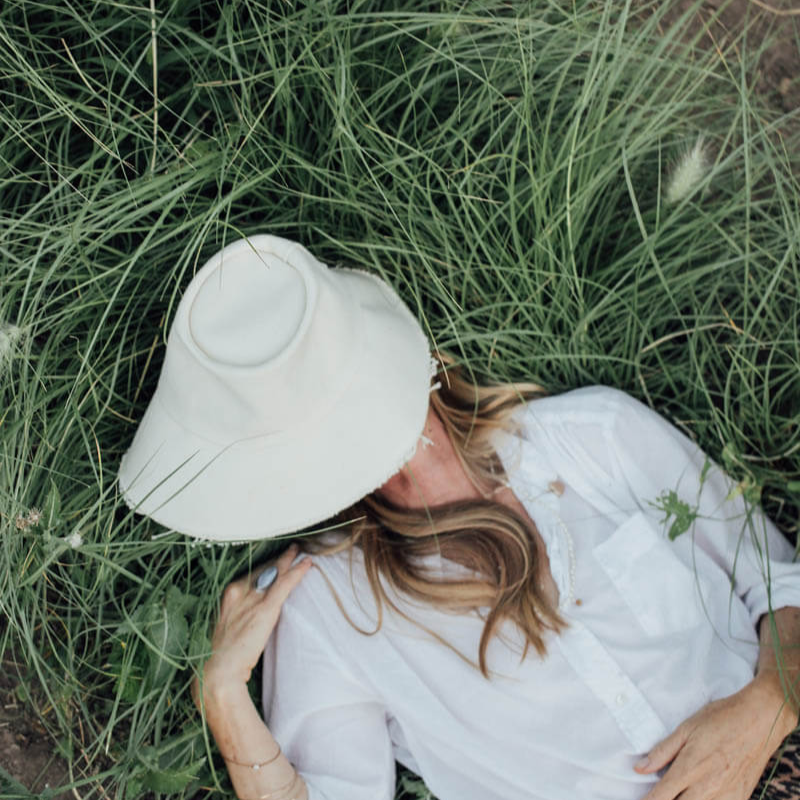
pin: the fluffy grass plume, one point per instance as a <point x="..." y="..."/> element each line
<point x="687" y="173"/>
<point x="9" y="336"/>
<point x="497" y="162"/>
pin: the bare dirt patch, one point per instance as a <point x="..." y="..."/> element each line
<point x="27" y="751"/>
<point x="718" y="23"/>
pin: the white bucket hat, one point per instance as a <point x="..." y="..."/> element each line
<point x="288" y="392"/>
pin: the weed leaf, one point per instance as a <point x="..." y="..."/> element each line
<point x="171" y="781"/>
<point x="682" y="513"/>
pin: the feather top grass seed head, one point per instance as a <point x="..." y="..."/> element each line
<point x="688" y="172"/>
<point x="9" y="336"/>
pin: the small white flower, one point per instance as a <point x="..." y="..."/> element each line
<point x="74" y="540"/>
<point x="34" y="516"/>
<point x="688" y="173"/>
<point x="21" y="522"/>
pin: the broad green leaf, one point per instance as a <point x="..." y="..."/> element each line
<point x="169" y="635"/>
<point x="171" y="781"/>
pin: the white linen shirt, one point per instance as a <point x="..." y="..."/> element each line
<point x="656" y="629"/>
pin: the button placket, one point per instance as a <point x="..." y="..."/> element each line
<point x="601" y="674"/>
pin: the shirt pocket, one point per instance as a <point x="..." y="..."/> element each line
<point x="661" y="591"/>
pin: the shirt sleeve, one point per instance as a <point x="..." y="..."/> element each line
<point x="327" y="723"/>
<point x="655" y="458"/>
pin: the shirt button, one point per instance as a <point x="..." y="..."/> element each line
<point x="621" y="699"/>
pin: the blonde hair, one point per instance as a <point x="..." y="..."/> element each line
<point x="487" y="537"/>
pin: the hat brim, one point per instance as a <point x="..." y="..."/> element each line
<point x="273" y="485"/>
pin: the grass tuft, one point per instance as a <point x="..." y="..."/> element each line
<point x="503" y="165"/>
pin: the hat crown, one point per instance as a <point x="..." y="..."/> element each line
<point x="261" y="328"/>
<point x="248" y="310"/>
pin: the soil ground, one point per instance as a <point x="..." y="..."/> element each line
<point x="718" y="22"/>
<point x="26" y="750"/>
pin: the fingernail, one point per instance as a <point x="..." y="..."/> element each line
<point x="266" y="578"/>
<point x="642" y="763"/>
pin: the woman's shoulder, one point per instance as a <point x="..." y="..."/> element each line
<point x="337" y="581"/>
<point x="595" y="403"/>
<point x="589" y="435"/>
<point x="337" y="595"/>
<point x="596" y="411"/>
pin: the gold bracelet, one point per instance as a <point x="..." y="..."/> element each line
<point x="257" y="765"/>
<point x="280" y="790"/>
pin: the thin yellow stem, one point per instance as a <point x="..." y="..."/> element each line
<point x="793" y="12"/>
<point x="155" y="80"/>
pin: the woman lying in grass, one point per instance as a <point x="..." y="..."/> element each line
<point x="519" y="597"/>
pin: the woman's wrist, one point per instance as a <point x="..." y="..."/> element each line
<point x="258" y="768"/>
<point x="767" y="684"/>
<point x="222" y="696"/>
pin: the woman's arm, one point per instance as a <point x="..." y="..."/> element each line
<point x="721" y="751"/>
<point x="245" y="741"/>
<point x="257" y="768"/>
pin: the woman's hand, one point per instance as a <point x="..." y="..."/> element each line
<point x="721" y="751"/>
<point x="247" y="617"/>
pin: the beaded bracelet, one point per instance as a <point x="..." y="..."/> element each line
<point x="257" y="765"/>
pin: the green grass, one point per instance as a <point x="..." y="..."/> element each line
<point x="503" y="165"/>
